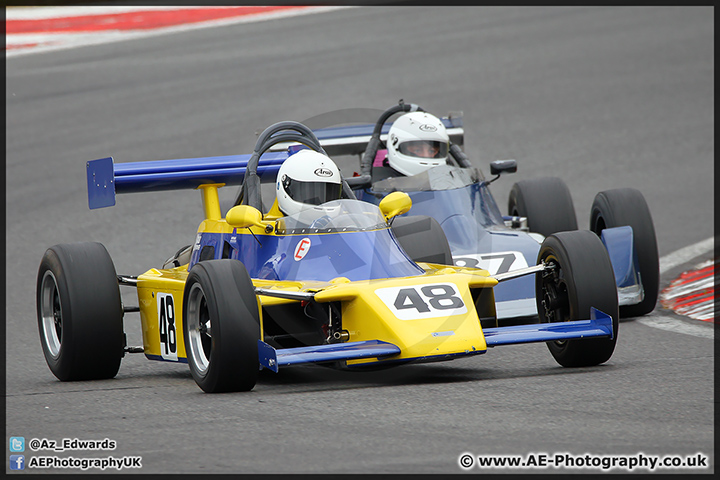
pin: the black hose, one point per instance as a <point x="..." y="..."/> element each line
<point x="287" y="131"/>
<point x="460" y="157"/>
<point x="374" y="142"/>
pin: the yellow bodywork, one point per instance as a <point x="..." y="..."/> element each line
<point x="366" y="315"/>
<point x="151" y="285"/>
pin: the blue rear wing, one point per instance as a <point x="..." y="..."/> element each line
<point x="105" y="178"/>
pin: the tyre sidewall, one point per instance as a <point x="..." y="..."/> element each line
<point x="92" y="340"/>
<point x="233" y="309"/>
<point x="627" y="207"/>
<point x="60" y="365"/>
<point x="590" y="283"/>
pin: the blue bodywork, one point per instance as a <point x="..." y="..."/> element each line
<point x="329" y="247"/>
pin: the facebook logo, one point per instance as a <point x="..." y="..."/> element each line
<point x="17" y="444"/>
<point x="17" y="462"/>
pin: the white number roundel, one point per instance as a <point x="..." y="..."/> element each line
<point x="301" y="249"/>
<point x="423" y="301"/>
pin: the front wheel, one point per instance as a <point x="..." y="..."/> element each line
<point x="579" y="276"/>
<point x="79" y="311"/>
<point x="627" y="207"/>
<point x="221" y="325"/>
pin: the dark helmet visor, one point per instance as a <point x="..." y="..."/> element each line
<point x="312" y="193"/>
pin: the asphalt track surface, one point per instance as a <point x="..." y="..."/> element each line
<point x="602" y="97"/>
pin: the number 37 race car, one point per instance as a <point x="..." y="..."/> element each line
<point x="329" y="285"/>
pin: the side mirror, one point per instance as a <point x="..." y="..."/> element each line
<point x="395" y="204"/>
<point x="498" y="167"/>
<point x="244" y="216"/>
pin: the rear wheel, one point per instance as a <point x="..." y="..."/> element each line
<point x="423" y="239"/>
<point x="547" y="204"/>
<point x="580" y="277"/>
<point x="221" y="325"/>
<point x="627" y="206"/>
<point x="79" y="310"/>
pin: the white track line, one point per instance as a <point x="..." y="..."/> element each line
<point x="37" y="13"/>
<point x="668" y="262"/>
<point x="73" y="40"/>
<point x="656" y="319"/>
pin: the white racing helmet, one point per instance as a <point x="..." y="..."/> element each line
<point x="416" y="142"/>
<point x="306" y="179"/>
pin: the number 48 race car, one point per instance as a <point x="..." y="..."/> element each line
<point x="329" y="285"/>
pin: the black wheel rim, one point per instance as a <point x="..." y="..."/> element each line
<point x="555" y="295"/>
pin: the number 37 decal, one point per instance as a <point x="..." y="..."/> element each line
<point x="499" y="262"/>
<point x="423" y="301"/>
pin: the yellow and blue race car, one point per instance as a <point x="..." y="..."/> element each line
<point x="331" y="285"/>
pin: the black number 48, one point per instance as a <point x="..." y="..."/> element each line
<point x="440" y="297"/>
<point x="168" y="338"/>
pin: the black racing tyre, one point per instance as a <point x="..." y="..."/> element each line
<point x="221" y="326"/>
<point x="423" y="239"/>
<point x="627" y="206"/>
<point x="581" y="277"/>
<point x="80" y="313"/>
<point x="547" y="204"/>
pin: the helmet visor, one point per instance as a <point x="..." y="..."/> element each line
<point x="312" y="193"/>
<point x="424" y="149"/>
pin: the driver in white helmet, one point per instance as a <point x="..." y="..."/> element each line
<point x="306" y="179"/>
<point x="416" y="142"/>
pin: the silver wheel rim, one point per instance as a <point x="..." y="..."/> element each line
<point x="51" y="313"/>
<point x="199" y="331"/>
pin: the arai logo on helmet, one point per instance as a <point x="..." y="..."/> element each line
<point x="323" y="172"/>
<point x="427" y="128"/>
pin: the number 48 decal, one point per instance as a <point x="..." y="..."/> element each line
<point x="166" y="320"/>
<point x="423" y="301"/>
